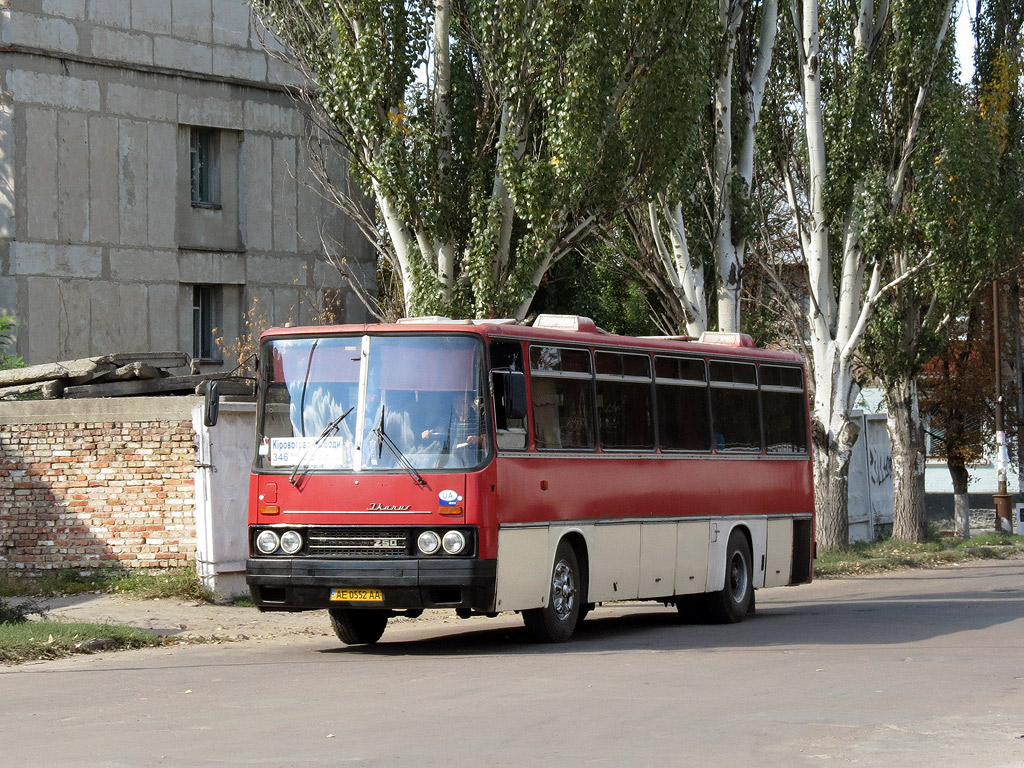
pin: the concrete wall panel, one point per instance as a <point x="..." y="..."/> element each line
<point x="242" y="64"/>
<point x="207" y="267"/>
<point x="192" y="20"/>
<point x="41" y="173"/>
<point x="231" y="23"/>
<point x="143" y="265"/>
<point x="40" y="323"/>
<point x="30" y="258"/>
<point x="209" y="111"/>
<point x="163" y="180"/>
<point x="73" y="177"/>
<point x="74" y="319"/>
<point x="111" y="13"/>
<point x="284" y="196"/>
<point x="149" y="16"/>
<point x="8" y="161"/>
<point x="182" y="54"/>
<point x="164" y="314"/>
<point x="121" y="45"/>
<point x="133" y="181"/>
<point x="103" y="180"/>
<point x="287" y="303"/>
<point x="142" y="103"/>
<point x="257" y="164"/>
<point x="131" y="316"/>
<point x="272" y="118"/>
<point x="283" y="73"/>
<point x="106" y="318"/>
<point x="46" y="32"/>
<point x="68" y="9"/>
<point x="61" y="91"/>
<point x="277" y="270"/>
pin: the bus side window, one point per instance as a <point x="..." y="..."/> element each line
<point x="735" y="414"/>
<point x="562" y="393"/>
<point x="785" y="409"/>
<point x="508" y="383"/>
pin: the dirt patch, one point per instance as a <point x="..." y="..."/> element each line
<point x="191" y="620"/>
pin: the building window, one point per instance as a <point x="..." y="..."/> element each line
<point x="205" y="313"/>
<point x="204" y="154"/>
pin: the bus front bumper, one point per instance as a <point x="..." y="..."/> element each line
<point x="303" y="584"/>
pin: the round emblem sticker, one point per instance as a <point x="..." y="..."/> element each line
<point x="448" y="498"/>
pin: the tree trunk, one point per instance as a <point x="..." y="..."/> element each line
<point x="831" y="497"/>
<point x="961" y="503"/>
<point x="906" y="432"/>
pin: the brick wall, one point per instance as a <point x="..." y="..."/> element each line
<point x="87" y="484"/>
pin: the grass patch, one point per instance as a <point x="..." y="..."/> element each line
<point x="34" y="640"/>
<point x="143" y="583"/>
<point x="890" y="555"/>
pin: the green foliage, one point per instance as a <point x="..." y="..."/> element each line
<point x="595" y="286"/>
<point x="7" y="325"/>
<point x="889" y="555"/>
<point x="963" y="206"/>
<point x="11" y="613"/>
<point x="143" y="583"/>
<point x="575" y="109"/>
<point x="33" y="640"/>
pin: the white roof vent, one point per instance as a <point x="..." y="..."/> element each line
<point x="727" y="339"/>
<point x="565" y="323"/>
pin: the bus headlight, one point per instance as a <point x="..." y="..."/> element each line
<point x="454" y="542"/>
<point x="428" y="542"/>
<point x="267" y="542"/>
<point x="291" y="542"/>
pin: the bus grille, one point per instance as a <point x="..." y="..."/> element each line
<point x="362" y="543"/>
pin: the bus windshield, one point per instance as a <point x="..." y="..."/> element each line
<point x="369" y="403"/>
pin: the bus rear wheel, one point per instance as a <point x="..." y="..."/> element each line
<point x="358" y="627"/>
<point x="734" y="602"/>
<point x="556" y="621"/>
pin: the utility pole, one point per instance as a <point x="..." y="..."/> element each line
<point x="1004" y="523"/>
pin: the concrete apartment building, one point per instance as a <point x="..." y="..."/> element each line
<point x="154" y="181"/>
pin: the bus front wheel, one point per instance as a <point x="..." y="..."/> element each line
<point x="733" y="603"/>
<point x="556" y="621"/>
<point x="358" y="627"/>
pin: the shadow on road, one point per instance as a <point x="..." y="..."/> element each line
<point x="876" y="620"/>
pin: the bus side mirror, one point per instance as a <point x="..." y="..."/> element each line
<point x="211" y="406"/>
<point x="515" y="395"/>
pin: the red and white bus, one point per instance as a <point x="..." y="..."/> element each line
<point x="488" y="466"/>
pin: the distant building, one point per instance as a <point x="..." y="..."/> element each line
<point x="154" y="181"/>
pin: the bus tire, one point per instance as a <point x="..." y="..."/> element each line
<point x="358" y="627"/>
<point x="556" y="621"/>
<point x="734" y="602"/>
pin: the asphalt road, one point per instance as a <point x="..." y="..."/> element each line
<point x="919" y="668"/>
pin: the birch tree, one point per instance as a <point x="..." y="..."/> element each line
<point x="491" y="138"/>
<point x="844" y="163"/>
<point x="961" y="209"/>
<point x="663" y="230"/>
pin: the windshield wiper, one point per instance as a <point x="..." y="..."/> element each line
<point x="403" y="461"/>
<point x="310" y="452"/>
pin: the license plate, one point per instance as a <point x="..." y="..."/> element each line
<point x="357" y="595"/>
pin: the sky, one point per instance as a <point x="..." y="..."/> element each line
<point x="965" y="41"/>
